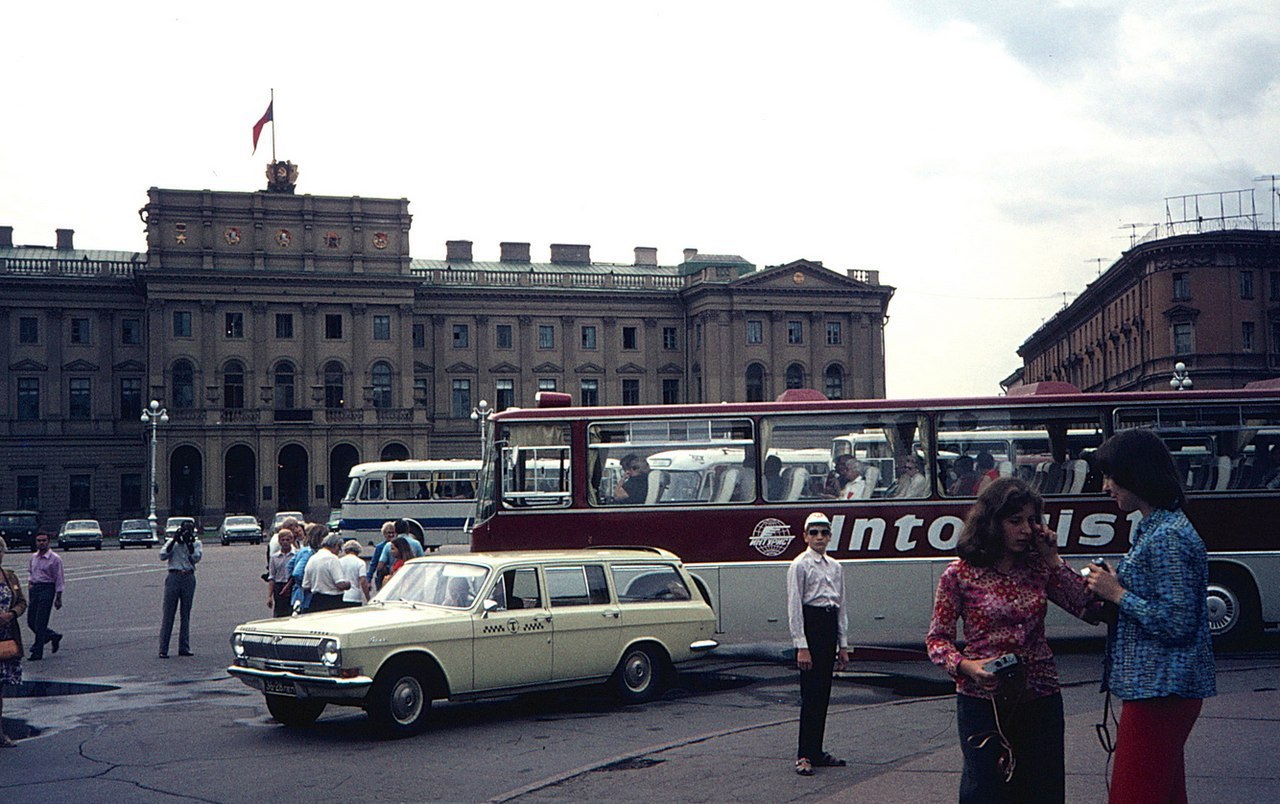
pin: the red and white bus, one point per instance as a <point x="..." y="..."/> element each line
<point x="729" y="486"/>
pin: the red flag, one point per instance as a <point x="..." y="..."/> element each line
<point x="257" y="127"/>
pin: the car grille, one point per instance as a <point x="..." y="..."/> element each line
<point x="281" y="648"/>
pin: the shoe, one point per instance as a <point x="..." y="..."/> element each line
<point x="57" y="642"/>
<point x="34" y="658"/>
<point x="185" y="653"/>
<point x="5" y="742"/>
<point x="804" y="767"/>
<point x="828" y="761"/>
<point x="164" y="656"/>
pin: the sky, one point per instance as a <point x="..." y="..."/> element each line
<point x="986" y="158"/>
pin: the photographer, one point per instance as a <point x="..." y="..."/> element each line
<point x="1008" y="706"/>
<point x="182" y="552"/>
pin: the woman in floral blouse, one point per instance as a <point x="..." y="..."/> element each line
<point x="1159" y="653"/>
<point x="1010" y="727"/>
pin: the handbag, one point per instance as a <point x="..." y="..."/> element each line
<point x="9" y="649"/>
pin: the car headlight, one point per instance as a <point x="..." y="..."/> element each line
<point x="237" y="645"/>
<point x="330" y="656"/>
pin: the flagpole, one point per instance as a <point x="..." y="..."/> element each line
<point x="273" y="125"/>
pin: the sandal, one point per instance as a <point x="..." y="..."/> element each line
<point x="803" y="767"/>
<point x="828" y="761"/>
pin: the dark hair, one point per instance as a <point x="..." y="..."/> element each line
<point x="963" y="464"/>
<point x="982" y="538"/>
<point x="402" y="548"/>
<point x="773" y="465"/>
<point x="1139" y="461"/>
<point x="985" y="462"/>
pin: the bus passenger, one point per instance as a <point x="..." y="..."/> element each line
<point x="985" y="464"/>
<point x="966" y="479"/>
<point x="774" y="485"/>
<point x="911" y="481"/>
<point x="634" y="487"/>
<point x="1159" y="657"/>
<point x="1010" y="723"/>
<point x="846" y="481"/>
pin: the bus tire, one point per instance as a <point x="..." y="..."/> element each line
<point x="1235" y="618"/>
<point x="641" y="674"/>
<point x="293" y="712"/>
<point x="399" y="702"/>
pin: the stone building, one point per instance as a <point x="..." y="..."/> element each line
<point x="1210" y="300"/>
<point x="290" y="337"/>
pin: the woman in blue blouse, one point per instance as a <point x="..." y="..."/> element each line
<point x="1159" y="654"/>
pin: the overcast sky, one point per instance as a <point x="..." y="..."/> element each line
<point x="982" y="156"/>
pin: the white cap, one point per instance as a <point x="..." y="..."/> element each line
<point x="817" y="518"/>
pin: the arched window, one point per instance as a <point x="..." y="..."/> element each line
<point x="334" y="393"/>
<point x="285" y="399"/>
<point x="184" y="385"/>
<point x="233" y="385"/>
<point x="755" y="382"/>
<point x="382" y="384"/>
<point x="795" y="376"/>
<point x="834" y="382"/>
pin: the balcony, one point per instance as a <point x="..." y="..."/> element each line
<point x="292" y="415"/>
<point x="343" y="416"/>
<point x="241" y="416"/>
<point x="394" y="415"/>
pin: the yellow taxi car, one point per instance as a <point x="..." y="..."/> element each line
<point x="483" y="624"/>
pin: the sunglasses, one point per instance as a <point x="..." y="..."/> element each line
<point x="819" y="531"/>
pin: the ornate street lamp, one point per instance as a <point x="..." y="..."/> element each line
<point x="1181" y="377"/>
<point x="481" y="413"/>
<point x="156" y="415"/>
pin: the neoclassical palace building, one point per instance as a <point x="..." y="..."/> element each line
<point x="292" y="336"/>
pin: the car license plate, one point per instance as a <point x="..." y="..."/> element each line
<point x="277" y="687"/>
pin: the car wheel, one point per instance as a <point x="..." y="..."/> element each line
<point x="1234" y="616"/>
<point x="224" y="542"/>
<point x="400" y="700"/>
<point x="640" y="675"/>
<point x="293" y="712"/>
<point x="122" y="547"/>
<point x="98" y="546"/>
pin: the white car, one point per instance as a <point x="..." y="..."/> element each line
<point x="239" y="529"/>
<point x="80" y="533"/>
<point x="137" y="531"/>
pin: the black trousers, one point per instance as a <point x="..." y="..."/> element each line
<point x="1034" y="729"/>
<point x="822" y="633"/>
<point x="323" y="602"/>
<point x="282" y="599"/>
<point x="41" y="607"/>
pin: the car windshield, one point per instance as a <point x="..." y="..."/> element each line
<point x="436" y="583"/>
<point x="136" y="524"/>
<point x="240" y="520"/>
<point x="174" y="521"/>
<point x="17" y="521"/>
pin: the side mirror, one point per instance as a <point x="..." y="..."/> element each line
<point x="490" y="605"/>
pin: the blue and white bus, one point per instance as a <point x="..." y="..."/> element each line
<point x="439" y="496"/>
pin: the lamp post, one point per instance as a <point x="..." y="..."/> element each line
<point x="1181" y="377"/>
<point x="481" y="413"/>
<point x="156" y="415"/>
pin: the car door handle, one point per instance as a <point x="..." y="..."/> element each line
<point x="614" y="613"/>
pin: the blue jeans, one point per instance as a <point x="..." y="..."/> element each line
<point x="1034" y="729"/>
<point x="179" y="590"/>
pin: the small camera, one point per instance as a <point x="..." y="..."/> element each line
<point x="1097" y="562"/>
<point x="1002" y="666"/>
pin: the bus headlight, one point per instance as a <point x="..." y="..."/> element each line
<point x="330" y="656"/>
<point x="237" y="645"/>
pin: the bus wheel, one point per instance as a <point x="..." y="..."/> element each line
<point x="641" y="674"/>
<point x="1234" y="618"/>
<point x="400" y="700"/>
<point x="293" y="712"/>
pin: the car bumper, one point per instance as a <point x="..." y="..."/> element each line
<point x="241" y="537"/>
<point x="80" y="542"/>
<point x="304" y="686"/>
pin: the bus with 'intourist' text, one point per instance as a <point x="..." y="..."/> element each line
<point x="728" y="486"/>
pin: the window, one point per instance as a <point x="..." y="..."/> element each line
<point x="131" y="492"/>
<point x="81" y="493"/>
<point x="631" y="392"/>
<point x="697" y="335"/>
<point x="131" y="331"/>
<point x="419" y="336"/>
<point x="755" y="382"/>
<point x="670" y="343"/>
<point x="284" y="387"/>
<point x="80" y="402"/>
<point x="382" y="384"/>
<point x="460" y="407"/>
<point x="28" y="329"/>
<point x="795" y="332"/>
<point x="546" y="336"/>
<point x="833" y="382"/>
<point x="795" y="376"/>
<point x="184" y="386"/>
<point x="461" y="336"/>
<point x="536" y="461"/>
<point x="334" y="385"/>
<point x="517" y="589"/>
<point x="1181" y="286"/>
<point x="588" y="337"/>
<point x="1246" y="285"/>
<point x="504" y="394"/>
<point x="28" y="487"/>
<point x="333" y="326"/>
<point x="181" y="324"/>
<point x="1246" y="336"/>
<point x="284" y="325"/>
<point x="382" y="327"/>
<point x="130" y="397"/>
<point x="546" y="384"/>
<point x="234" y="325"/>
<point x="502" y="336"/>
<point x="755" y="332"/>
<point x="835" y="335"/>
<point x="577" y="586"/>
<point x="1182" y="341"/>
<point x="80" y="330"/>
<point x="590" y="393"/>
<point x="630" y="340"/>
<point x="233" y="385"/>
<point x="29" y="399"/>
<point x="671" y="391"/>
<point x="639" y="583"/>
<point x="676" y="462"/>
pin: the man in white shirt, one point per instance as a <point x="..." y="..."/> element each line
<point x="323" y="576"/>
<point x="816" y="617"/>
<point x="353" y="571"/>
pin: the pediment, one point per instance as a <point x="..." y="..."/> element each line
<point x="796" y="276"/>
<point x="28" y="364"/>
<point x="588" y="368"/>
<point x="547" y="368"/>
<point x="129" y="365"/>
<point x="79" y="366"/>
<point x="422" y="368"/>
<point x="1181" y="312"/>
<point x="461" y="368"/>
<point x="504" y="368"/>
<point x="670" y="368"/>
<point x="630" y="368"/>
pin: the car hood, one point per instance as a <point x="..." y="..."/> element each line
<point x="352" y="621"/>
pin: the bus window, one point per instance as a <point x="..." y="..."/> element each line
<point x="535" y="466"/>
<point x="1052" y="450"/>
<point x="845" y="456"/>
<point x="372" y="489"/>
<point x="353" y="489"/>
<point x="408" y="486"/>
<point x="690" y="461"/>
<point x="1216" y="448"/>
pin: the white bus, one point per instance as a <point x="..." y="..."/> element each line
<point x="438" y="496"/>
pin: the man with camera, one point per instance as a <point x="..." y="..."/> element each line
<point x="182" y="552"/>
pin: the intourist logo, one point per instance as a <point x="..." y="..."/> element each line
<point x="771" y="537"/>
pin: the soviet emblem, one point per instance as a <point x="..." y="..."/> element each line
<point x="283" y="237"/>
<point x="332" y="239"/>
<point x="180" y="233"/>
<point x="381" y="240"/>
<point x="232" y="236"/>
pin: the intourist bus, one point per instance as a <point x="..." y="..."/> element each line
<point x="438" y="495"/>
<point x="737" y="539"/>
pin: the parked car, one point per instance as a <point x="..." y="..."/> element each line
<point x="19" y="528"/>
<point x="80" y="533"/>
<point x="239" y="529"/>
<point x="475" y="625"/>
<point x="137" y="532"/>
<point x="172" y="523"/>
<point x="281" y="516"/>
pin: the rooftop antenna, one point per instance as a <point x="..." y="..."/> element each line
<point x="1271" y="177"/>
<point x="1098" y="260"/>
<point x="1133" y="231"/>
